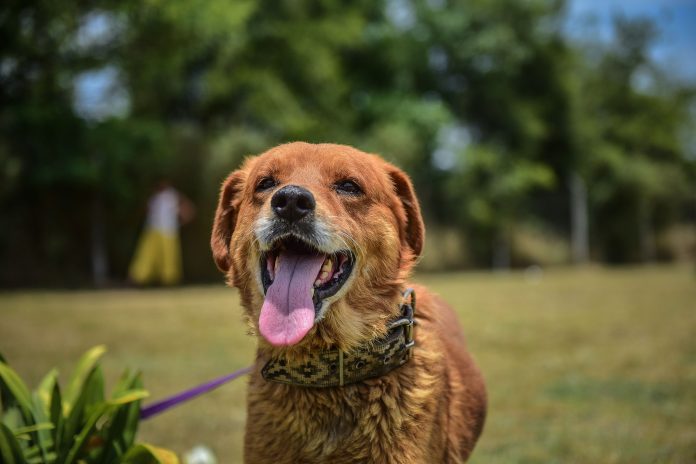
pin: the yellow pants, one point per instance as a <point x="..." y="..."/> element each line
<point x="157" y="258"/>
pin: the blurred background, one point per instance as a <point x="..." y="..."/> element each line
<point x="537" y="132"/>
<point x="555" y="139"/>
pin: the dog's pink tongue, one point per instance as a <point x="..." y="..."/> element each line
<point x="287" y="313"/>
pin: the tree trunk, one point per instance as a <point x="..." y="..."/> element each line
<point x="99" y="259"/>
<point x="579" y="223"/>
<point x="100" y="263"/>
<point x="501" y="251"/>
<point x="648" y="248"/>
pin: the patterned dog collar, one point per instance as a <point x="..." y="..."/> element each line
<point x="335" y="368"/>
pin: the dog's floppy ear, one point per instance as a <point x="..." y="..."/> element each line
<point x="226" y="218"/>
<point x="412" y="230"/>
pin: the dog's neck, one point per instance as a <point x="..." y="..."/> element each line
<point x="336" y="368"/>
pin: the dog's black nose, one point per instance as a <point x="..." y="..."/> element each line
<point x="292" y="203"/>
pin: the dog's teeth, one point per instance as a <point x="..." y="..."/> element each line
<point x="312" y="291"/>
<point x="275" y="265"/>
<point x="327" y="266"/>
<point x="317" y="282"/>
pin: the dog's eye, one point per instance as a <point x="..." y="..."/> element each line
<point x="266" y="183"/>
<point x="348" y="187"/>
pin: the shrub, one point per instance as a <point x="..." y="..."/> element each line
<point x="78" y="425"/>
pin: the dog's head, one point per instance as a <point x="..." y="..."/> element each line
<point x="319" y="240"/>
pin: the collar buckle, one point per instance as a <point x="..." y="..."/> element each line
<point x="407" y="320"/>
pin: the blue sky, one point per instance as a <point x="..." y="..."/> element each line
<point x="676" y="19"/>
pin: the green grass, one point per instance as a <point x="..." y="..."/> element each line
<point x="582" y="366"/>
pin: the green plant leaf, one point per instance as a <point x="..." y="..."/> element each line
<point x="75" y="418"/>
<point x="31" y="452"/>
<point x="38" y="428"/>
<point x="41" y="435"/>
<point x="83" y="370"/>
<point x="86" y="431"/>
<point x="93" y="390"/>
<point x="17" y="390"/>
<point x="10" y="450"/>
<point x="12" y="417"/>
<point x="5" y="397"/>
<point x="56" y="415"/>
<point x="33" y="428"/>
<point x="124" y="383"/>
<point x="49" y="459"/>
<point x="45" y="388"/>
<point x="124" y="422"/>
<point x="128" y="397"/>
<point x="132" y="415"/>
<point x="148" y="454"/>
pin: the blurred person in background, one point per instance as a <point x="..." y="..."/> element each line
<point x="158" y="254"/>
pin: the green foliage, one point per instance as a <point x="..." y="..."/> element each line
<point x="209" y="82"/>
<point x="82" y="425"/>
<point x="497" y="185"/>
<point x="639" y="172"/>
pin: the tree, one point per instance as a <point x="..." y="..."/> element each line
<point x="640" y="175"/>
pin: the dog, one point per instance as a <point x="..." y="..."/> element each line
<point x="353" y="364"/>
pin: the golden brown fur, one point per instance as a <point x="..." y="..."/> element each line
<point x="432" y="409"/>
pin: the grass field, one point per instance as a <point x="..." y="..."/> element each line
<point x="583" y="366"/>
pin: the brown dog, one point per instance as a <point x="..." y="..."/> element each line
<point x="319" y="240"/>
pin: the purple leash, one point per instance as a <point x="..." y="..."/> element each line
<point x="162" y="405"/>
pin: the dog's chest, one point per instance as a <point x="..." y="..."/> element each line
<point x="352" y="424"/>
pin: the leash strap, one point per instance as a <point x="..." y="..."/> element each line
<point x="162" y="405"/>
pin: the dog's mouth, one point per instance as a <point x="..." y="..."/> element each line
<point x="297" y="278"/>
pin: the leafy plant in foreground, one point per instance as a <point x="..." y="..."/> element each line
<point x="78" y="425"/>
